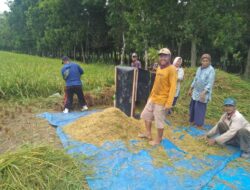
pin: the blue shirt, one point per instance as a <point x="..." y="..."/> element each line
<point x="71" y="73"/>
<point x="204" y="80"/>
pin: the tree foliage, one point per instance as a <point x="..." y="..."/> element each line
<point x="105" y="29"/>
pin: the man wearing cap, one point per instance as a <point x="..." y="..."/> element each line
<point x="71" y="73"/>
<point x="161" y="97"/>
<point x="232" y="128"/>
<point x="201" y="91"/>
<point x="135" y="62"/>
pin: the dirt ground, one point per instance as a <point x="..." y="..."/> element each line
<point x="19" y="124"/>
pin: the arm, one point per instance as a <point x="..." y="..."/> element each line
<point x="211" y="79"/>
<point x="195" y="78"/>
<point x="172" y="91"/>
<point x="235" y="126"/>
<point x="64" y="73"/>
<point x="214" y="130"/>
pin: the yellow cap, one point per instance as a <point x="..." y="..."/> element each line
<point x="165" y="51"/>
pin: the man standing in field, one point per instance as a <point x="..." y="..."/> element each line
<point x="232" y="128"/>
<point x="71" y="73"/>
<point x="161" y="97"/>
<point x="201" y="91"/>
<point x="135" y="62"/>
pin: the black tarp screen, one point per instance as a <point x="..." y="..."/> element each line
<point x="124" y="88"/>
<point x="132" y="84"/>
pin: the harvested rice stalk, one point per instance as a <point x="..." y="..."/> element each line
<point x="41" y="168"/>
<point x="193" y="145"/>
<point x="108" y="125"/>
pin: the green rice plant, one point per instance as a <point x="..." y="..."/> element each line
<point x="25" y="76"/>
<point x="41" y="168"/>
<point x="226" y="85"/>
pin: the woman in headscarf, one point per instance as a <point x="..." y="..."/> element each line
<point x="201" y="91"/>
<point x="180" y="76"/>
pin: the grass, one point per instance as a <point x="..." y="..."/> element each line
<point x="226" y="85"/>
<point x="24" y="76"/>
<point x="40" y="168"/>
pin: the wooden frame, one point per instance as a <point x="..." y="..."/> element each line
<point x="134" y="90"/>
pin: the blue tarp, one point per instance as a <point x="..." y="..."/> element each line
<point x="116" y="167"/>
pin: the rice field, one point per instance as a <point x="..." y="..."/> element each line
<point x="226" y="85"/>
<point x="24" y="76"/>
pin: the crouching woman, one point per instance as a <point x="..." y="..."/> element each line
<point x="232" y="129"/>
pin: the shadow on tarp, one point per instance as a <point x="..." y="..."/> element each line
<point x="118" y="168"/>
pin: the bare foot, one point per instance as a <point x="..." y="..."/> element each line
<point x="149" y="137"/>
<point x="154" y="143"/>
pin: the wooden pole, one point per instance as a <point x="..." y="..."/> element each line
<point x="133" y="93"/>
<point x="115" y="86"/>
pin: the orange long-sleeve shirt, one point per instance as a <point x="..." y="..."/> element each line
<point x="164" y="88"/>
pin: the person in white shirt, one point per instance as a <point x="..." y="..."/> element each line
<point x="180" y="76"/>
<point x="232" y="129"/>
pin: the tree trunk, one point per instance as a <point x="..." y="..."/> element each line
<point x="224" y="64"/>
<point x="74" y="53"/>
<point x="179" y="44"/>
<point x="193" y="53"/>
<point x="123" y="49"/>
<point x="247" y="68"/>
<point x="83" y="56"/>
<point x="146" y="55"/>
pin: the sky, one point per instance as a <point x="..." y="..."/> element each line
<point x="3" y="6"/>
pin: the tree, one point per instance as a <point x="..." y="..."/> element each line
<point x="198" y="16"/>
<point x="245" y="7"/>
<point x="226" y="34"/>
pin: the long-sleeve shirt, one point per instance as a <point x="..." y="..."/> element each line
<point x="204" y="80"/>
<point x="164" y="88"/>
<point x="136" y="64"/>
<point x="235" y="123"/>
<point x="71" y="73"/>
<point x="180" y="77"/>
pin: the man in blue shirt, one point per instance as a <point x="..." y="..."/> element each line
<point x="71" y="73"/>
<point x="201" y="91"/>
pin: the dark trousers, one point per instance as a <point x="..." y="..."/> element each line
<point x="241" y="139"/>
<point x="70" y="91"/>
<point x="175" y="100"/>
<point x="197" y="111"/>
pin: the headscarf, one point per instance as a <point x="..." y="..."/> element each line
<point x="176" y="59"/>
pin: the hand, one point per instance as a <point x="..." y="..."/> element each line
<point x="211" y="142"/>
<point x="203" y="96"/>
<point x="190" y="92"/>
<point x="167" y="108"/>
<point x="203" y="138"/>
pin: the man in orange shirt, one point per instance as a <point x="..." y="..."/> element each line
<point x="161" y="97"/>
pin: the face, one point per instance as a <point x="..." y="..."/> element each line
<point x="164" y="59"/>
<point x="205" y="62"/>
<point x="229" y="109"/>
<point x="134" y="58"/>
<point x="178" y="63"/>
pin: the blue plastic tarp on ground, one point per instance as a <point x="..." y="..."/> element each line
<point x="116" y="167"/>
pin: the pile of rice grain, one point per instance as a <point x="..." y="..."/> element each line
<point x="109" y="125"/>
